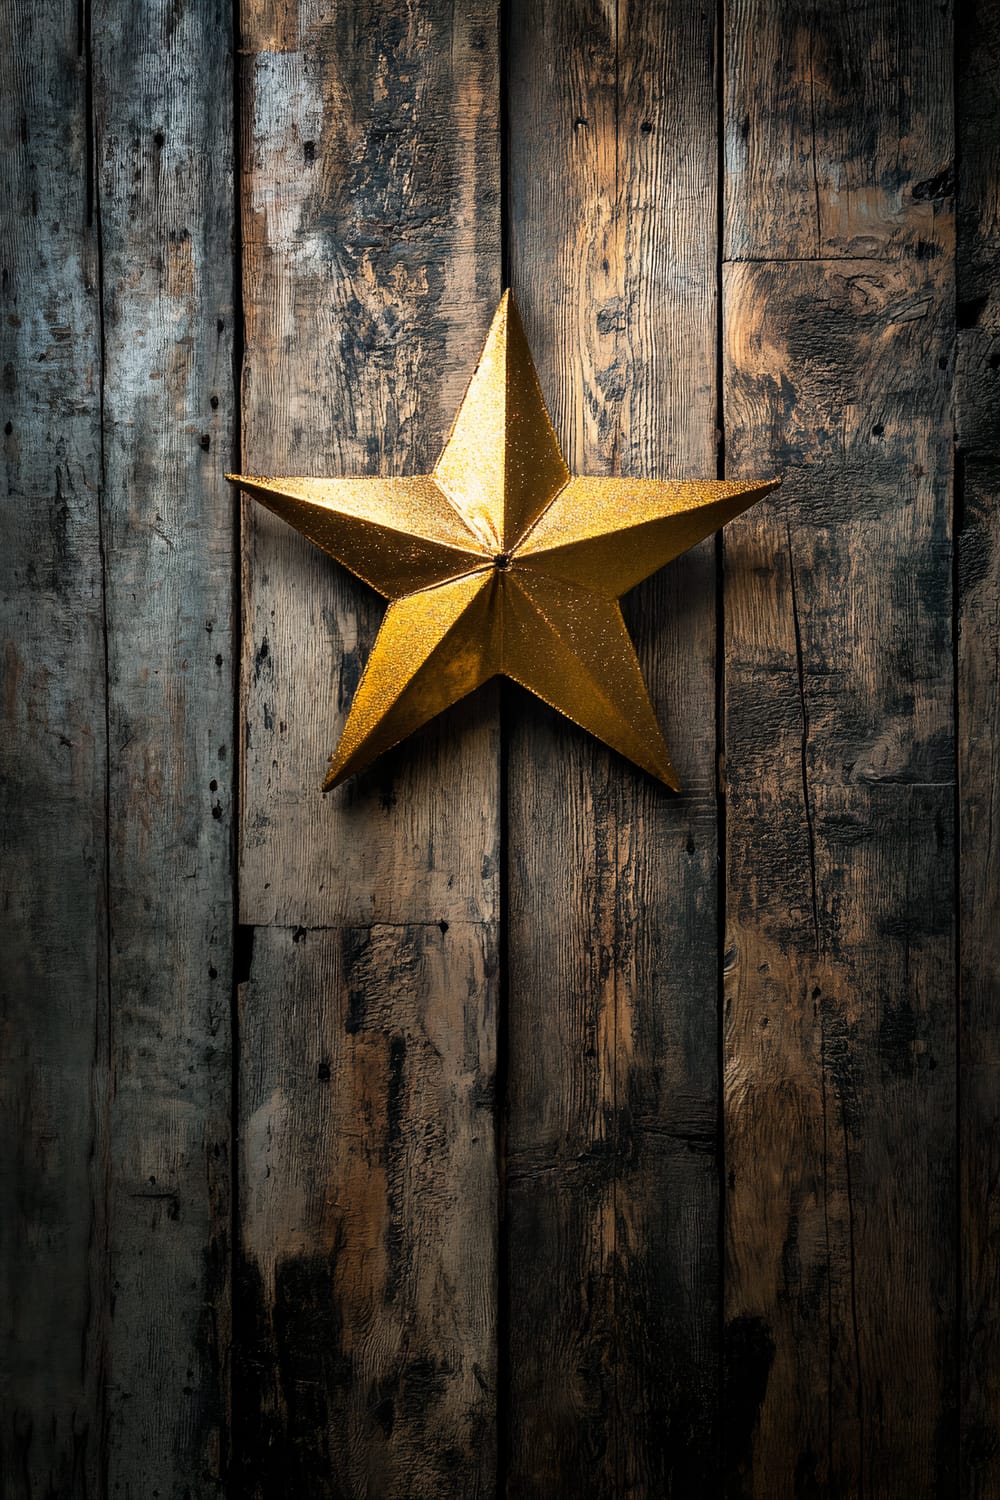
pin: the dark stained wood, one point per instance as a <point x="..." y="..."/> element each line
<point x="977" y="409"/>
<point x="979" y="560"/>
<point x="840" y="1027"/>
<point x="162" y="88"/>
<point x="366" y="1307"/>
<point x="611" y="1168"/>
<point x="369" y="1210"/>
<point x="824" y="155"/>
<point x="52" y="773"/>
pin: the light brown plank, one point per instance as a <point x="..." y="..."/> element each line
<point x="612" y="1013"/>
<point x="164" y="153"/>
<point x="977" y="410"/>
<point x="840" y="1044"/>
<point x="371" y="271"/>
<point x="52" y="772"/>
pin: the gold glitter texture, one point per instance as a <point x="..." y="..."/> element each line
<point x="501" y="563"/>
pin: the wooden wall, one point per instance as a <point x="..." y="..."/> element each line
<point x="500" y="1124"/>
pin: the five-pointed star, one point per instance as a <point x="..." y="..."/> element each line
<point x="500" y="562"/>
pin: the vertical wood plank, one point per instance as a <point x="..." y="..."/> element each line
<point x="366" y="1304"/>
<point x="369" y="1209"/>
<point x="839" y="1044"/>
<point x="165" y="206"/>
<point x="977" y="408"/>
<point x="611" y="1169"/>
<point x="824" y="155"/>
<point x="371" y="225"/>
<point x="52" y="769"/>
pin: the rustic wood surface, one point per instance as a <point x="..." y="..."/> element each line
<point x="589" y="1141"/>
<point x="52" y="750"/>
<point x="119" y="692"/>
<point x="366" y="1298"/>
<point x="840" y="1018"/>
<point x="611" y="1168"/>
<point x="977" y="421"/>
<point x="163" y="91"/>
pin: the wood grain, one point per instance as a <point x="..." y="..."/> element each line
<point x="369" y="1211"/>
<point x="53" y="938"/>
<point x="365" y="1328"/>
<point x="839" y="1042"/>
<point x="847" y="1344"/>
<point x="838" y="128"/>
<point x="165" y="203"/>
<point x="371" y="271"/>
<point x="613" y="1200"/>
<point x="977" y="410"/>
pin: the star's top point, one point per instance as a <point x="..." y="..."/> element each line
<point x="502" y="464"/>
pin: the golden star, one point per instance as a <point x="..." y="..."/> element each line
<point x="501" y="562"/>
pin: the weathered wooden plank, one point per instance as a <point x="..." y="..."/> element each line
<point x="824" y="155"/>
<point x="977" y="408"/>
<point x="979" y="640"/>
<point x="52" y="754"/>
<point x="369" y="1207"/>
<point x="366" y="1326"/>
<point x="371" y="224"/>
<point x="613" y="1200"/>
<point x="839" y="1042"/>
<point x="165" y="203"/>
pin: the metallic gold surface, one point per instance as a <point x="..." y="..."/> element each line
<point x="500" y="562"/>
